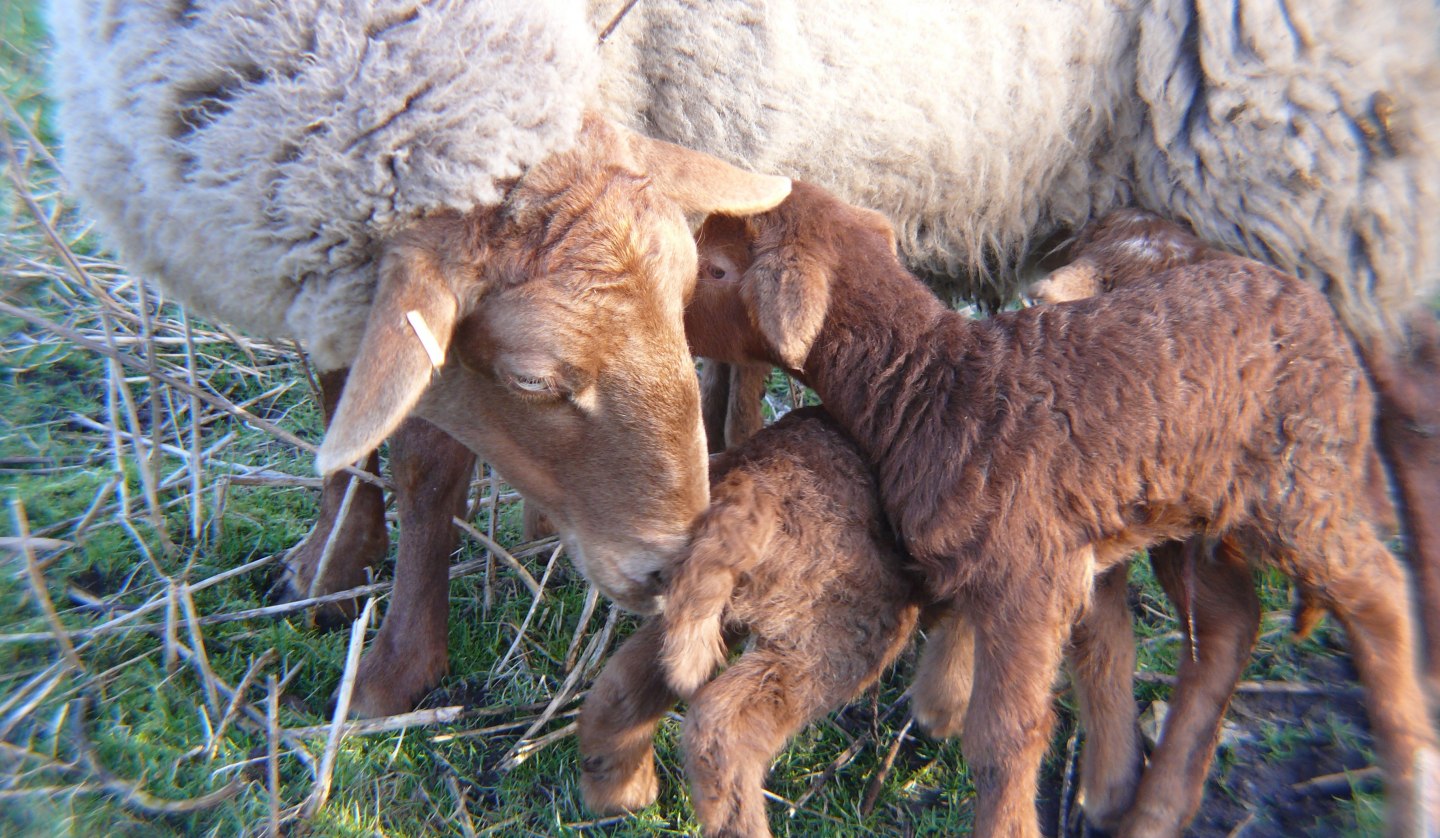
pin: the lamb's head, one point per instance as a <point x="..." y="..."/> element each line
<point x="547" y="335"/>
<point x="1117" y="250"/>
<point x="763" y="291"/>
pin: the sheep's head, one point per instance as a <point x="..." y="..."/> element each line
<point x="547" y="335"/>
<point x="1117" y="250"/>
<point x="764" y="286"/>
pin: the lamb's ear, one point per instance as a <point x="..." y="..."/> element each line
<point x="1075" y="281"/>
<point x="788" y="296"/>
<point x="406" y="337"/>
<point x="701" y="184"/>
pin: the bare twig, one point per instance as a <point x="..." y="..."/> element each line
<point x="320" y="792"/>
<point x="332" y="538"/>
<point x="386" y="724"/>
<point x="615" y="21"/>
<point x="37" y="587"/>
<point x="272" y="756"/>
<point x="592" y="596"/>
<point x="877" y="782"/>
<point x="525" y="623"/>
<point x="525" y="747"/>
<point x="1273" y="687"/>
<point x="1341" y="782"/>
<point x="237" y="699"/>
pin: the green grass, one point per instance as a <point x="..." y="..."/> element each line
<point x="135" y="719"/>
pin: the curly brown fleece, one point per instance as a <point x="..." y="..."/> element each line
<point x="795" y="553"/>
<point x="1021" y="455"/>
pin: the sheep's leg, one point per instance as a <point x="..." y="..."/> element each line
<point x="1102" y="663"/>
<point x="1221" y="604"/>
<point x="730" y="396"/>
<point x="940" y="694"/>
<point x="743" y="415"/>
<point x="1009" y="723"/>
<point x="617" y="726"/>
<point x="1408" y="384"/>
<point x="736" y="725"/>
<point x="714" y="402"/>
<point x="359" y="546"/>
<point x="408" y="656"/>
<point x="1358" y="579"/>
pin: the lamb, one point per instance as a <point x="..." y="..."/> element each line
<point x="1220" y="614"/>
<point x="1024" y="457"/>
<point x="793" y="552"/>
<point x="1305" y="136"/>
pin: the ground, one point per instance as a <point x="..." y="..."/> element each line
<point x="133" y="730"/>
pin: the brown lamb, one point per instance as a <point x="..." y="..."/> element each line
<point x="1213" y="593"/>
<point x="1131" y="245"/>
<point x="794" y="553"/>
<point x="1023" y="456"/>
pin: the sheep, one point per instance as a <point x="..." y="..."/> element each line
<point x="1024" y="457"/>
<point x="793" y="552"/>
<point x="1303" y="135"/>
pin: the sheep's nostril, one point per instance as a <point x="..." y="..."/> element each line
<point x="655" y="582"/>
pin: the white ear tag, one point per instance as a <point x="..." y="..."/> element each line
<point x="427" y="338"/>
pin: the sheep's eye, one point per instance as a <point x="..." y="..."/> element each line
<point x="532" y="384"/>
<point x="715" y="271"/>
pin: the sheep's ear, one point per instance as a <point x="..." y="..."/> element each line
<point x="788" y="297"/>
<point x="1075" y="281"/>
<point x="702" y="184"/>
<point x="406" y="337"/>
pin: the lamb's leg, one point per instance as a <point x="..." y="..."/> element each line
<point x="940" y="693"/>
<point x="1408" y="384"/>
<point x="1358" y="579"/>
<point x="729" y="539"/>
<point x="1227" y="622"/>
<point x="617" y="726"/>
<point x="408" y="656"/>
<point x="736" y="725"/>
<point x="1007" y="729"/>
<point x="1102" y="664"/>
<point x="360" y="544"/>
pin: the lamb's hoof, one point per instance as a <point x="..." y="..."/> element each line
<point x="607" y="790"/>
<point x="942" y="720"/>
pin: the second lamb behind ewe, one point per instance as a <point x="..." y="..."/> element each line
<point x="1213" y="592"/>
<point x="794" y="553"/>
<point x="1021" y="456"/>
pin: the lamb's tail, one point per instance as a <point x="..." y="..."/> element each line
<point x="730" y="538"/>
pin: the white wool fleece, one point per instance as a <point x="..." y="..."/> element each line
<point x="249" y="154"/>
<point x="1301" y="134"/>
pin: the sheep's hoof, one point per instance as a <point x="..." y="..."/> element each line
<point x="388" y="683"/>
<point x="290" y="586"/>
<point x="347" y="569"/>
<point x="608" y="790"/>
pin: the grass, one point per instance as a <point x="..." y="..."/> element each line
<point x="148" y="496"/>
